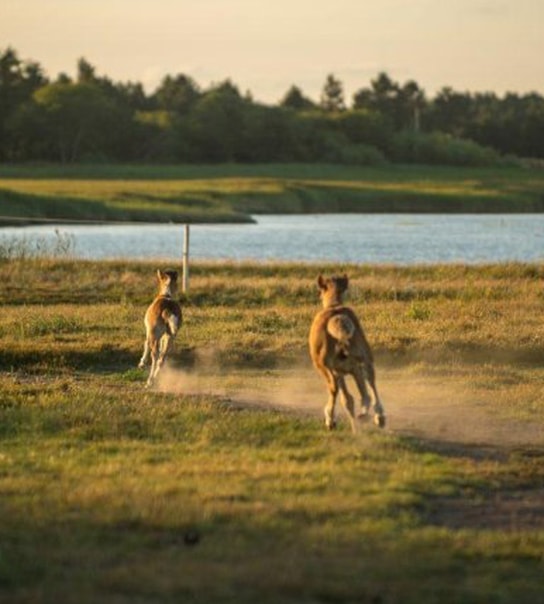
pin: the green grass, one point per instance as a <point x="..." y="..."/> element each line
<point x="111" y="493"/>
<point x="231" y="193"/>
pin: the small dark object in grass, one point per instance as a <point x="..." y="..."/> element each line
<point x="191" y="538"/>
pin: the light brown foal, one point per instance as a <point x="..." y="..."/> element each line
<point x="162" y="321"/>
<point x="338" y="347"/>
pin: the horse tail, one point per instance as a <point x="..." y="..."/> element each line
<point x="172" y="321"/>
<point x="341" y="328"/>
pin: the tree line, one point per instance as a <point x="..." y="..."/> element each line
<point x="92" y="118"/>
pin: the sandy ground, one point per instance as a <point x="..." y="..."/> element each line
<point x="442" y="411"/>
<point x="435" y="408"/>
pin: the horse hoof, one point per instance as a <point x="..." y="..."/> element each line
<point x="330" y="425"/>
<point x="379" y="420"/>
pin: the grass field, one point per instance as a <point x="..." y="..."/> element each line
<point x="231" y="193"/>
<point x="223" y="486"/>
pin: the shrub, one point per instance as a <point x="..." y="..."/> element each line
<point x="355" y="154"/>
<point x="440" y="148"/>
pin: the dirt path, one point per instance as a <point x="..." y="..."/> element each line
<point x="436" y="408"/>
<point x="449" y="415"/>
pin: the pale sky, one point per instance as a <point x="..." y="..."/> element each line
<point x="265" y="46"/>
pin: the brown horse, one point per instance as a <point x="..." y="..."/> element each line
<point x="162" y="322"/>
<point x="338" y="347"/>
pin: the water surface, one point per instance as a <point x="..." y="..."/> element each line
<point x="358" y="238"/>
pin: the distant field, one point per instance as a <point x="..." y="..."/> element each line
<point x="231" y="193"/>
<point x="223" y="485"/>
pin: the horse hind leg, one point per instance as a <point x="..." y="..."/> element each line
<point x="348" y="402"/>
<point x="366" y="399"/>
<point x="332" y="387"/>
<point x="379" y="412"/>
<point x="145" y="355"/>
<point x="165" y="346"/>
<point x="155" y="353"/>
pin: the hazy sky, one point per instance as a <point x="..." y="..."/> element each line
<point x="266" y="45"/>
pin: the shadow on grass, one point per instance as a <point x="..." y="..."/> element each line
<point x="105" y="360"/>
<point x="241" y="561"/>
<point x="111" y="359"/>
<point x="510" y="503"/>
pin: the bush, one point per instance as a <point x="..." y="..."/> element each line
<point x="319" y="140"/>
<point x="355" y="155"/>
<point x="440" y="148"/>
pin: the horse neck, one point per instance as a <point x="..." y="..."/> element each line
<point x="165" y="292"/>
<point x="332" y="301"/>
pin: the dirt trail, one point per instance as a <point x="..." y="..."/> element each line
<point x="436" y="408"/>
<point x="448" y="414"/>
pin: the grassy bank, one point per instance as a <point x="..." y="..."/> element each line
<point x="233" y="192"/>
<point x="116" y="494"/>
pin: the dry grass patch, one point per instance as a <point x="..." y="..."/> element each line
<point x="196" y="493"/>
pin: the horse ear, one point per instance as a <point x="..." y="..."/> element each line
<point x="345" y="281"/>
<point x="321" y="282"/>
<point x="160" y="274"/>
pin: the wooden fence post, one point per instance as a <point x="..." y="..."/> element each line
<point x="185" y="276"/>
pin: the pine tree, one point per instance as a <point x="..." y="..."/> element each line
<point x="332" y="96"/>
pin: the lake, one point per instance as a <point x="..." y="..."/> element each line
<point x="352" y="238"/>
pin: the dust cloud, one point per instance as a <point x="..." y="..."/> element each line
<point x="440" y="408"/>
